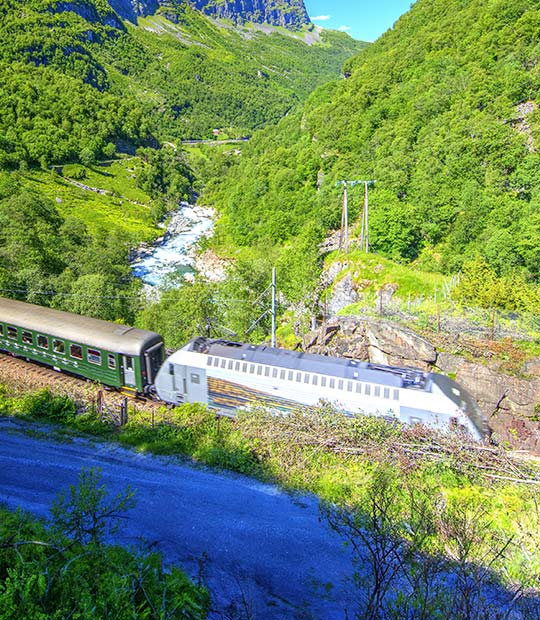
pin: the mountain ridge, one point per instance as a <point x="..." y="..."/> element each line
<point x="290" y="14"/>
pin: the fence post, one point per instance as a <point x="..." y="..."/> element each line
<point x="99" y="405"/>
<point x="124" y="412"/>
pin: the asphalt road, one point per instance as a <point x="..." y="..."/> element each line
<point x="254" y="542"/>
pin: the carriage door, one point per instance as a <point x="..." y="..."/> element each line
<point x="128" y="366"/>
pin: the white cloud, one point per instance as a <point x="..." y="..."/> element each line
<point x="344" y="28"/>
<point x="321" y="18"/>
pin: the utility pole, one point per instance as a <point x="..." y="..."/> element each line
<point x="273" y="341"/>
<point x="364" y="239"/>
<point x="344" y="233"/>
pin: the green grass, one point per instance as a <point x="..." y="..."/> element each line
<point x="113" y="211"/>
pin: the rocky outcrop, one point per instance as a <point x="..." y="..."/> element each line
<point x="510" y="403"/>
<point x="89" y="13"/>
<point x="289" y="14"/>
<point x="132" y="9"/>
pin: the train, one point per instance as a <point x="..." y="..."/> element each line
<point x="227" y="375"/>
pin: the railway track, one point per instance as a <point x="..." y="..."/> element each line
<point x="22" y="375"/>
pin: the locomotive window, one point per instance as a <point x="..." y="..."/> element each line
<point x="323" y="381"/>
<point x="368" y="390"/>
<point x="12" y="332"/>
<point x="27" y="337"/>
<point x="223" y="363"/>
<point x="58" y="346"/>
<point x="42" y="342"/>
<point x="386" y="392"/>
<point x="111" y="363"/>
<point x="315" y="380"/>
<point x="377" y="391"/>
<point x="396" y="394"/>
<point x="75" y="351"/>
<point x="195" y="378"/>
<point x="340" y="384"/>
<point x="332" y="383"/>
<point x="93" y="356"/>
<point x="349" y="386"/>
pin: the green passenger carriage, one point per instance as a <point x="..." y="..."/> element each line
<point x="116" y="355"/>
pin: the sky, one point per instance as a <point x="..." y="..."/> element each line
<point x="362" y="19"/>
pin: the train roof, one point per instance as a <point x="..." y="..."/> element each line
<point x="75" y="328"/>
<point x="309" y="362"/>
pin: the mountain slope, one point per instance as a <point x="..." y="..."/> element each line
<point x="442" y="112"/>
<point x="290" y="14"/>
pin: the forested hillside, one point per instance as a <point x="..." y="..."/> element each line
<point x="79" y="86"/>
<point x="442" y="113"/>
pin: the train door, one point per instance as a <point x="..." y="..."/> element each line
<point x="128" y="369"/>
<point x="195" y="384"/>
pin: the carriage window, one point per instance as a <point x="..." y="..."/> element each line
<point x="414" y="420"/>
<point x="27" y="337"/>
<point x="12" y="332"/>
<point x="332" y="383"/>
<point x="267" y="371"/>
<point x="209" y="360"/>
<point x="299" y="377"/>
<point x="216" y="361"/>
<point x="377" y="391"/>
<point x="349" y="386"/>
<point x="252" y="368"/>
<point x="323" y="381"/>
<point x="1" y="330"/>
<point x="306" y="378"/>
<point x="94" y="357"/>
<point x="237" y="365"/>
<point x="396" y="394"/>
<point x="111" y="363"/>
<point x="368" y="390"/>
<point x="259" y="370"/>
<point x="274" y="373"/>
<point x="290" y="375"/>
<point x="386" y="393"/>
<point x="359" y="388"/>
<point x="42" y="342"/>
<point x="230" y="365"/>
<point x="340" y="384"/>
<point x="223" y="363"/>
<point x="282" y="374"/>
<point x="315" y="380"/>
<point x="244" y="367"/>
<point x="58" y="346"/>
<point x="75" y="351"/>
<point x="195" y="378"/>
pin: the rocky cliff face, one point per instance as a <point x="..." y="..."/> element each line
<point x="290" y="14"/>
<point x="510" y="403"/>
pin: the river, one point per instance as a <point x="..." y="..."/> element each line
<point x="174" y="253"/>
